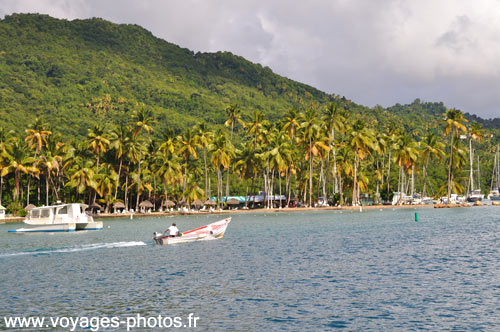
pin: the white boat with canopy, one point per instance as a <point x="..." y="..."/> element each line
<point x="59" y="218"/>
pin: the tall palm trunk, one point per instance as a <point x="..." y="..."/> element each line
<point x="118" y="182"/>
<point x="1" y="190"/>
<point x="138" y="183"/>
<point x="389" y="173"/>
<point x="229" y="168"/>
<point x="322" y="175"/>
<point x="424" y="189"/>
<point x="399" y="184"/>
<point x="288" y="186"/>
<point x="246" y="192"/>
<point x="310" y="173"/>
<point x="449" y="167"/>
<point x="38" y="190"/>
<point x="377" y="193"/>
<point x="355" y="181"/>
<point x="206" y="171"/>
<point x="471" y="174"/>
<point x="279" y="174"/>
<point x="126" y="189"/>
<point x="47" y="189"/>
<point x="16" y="189"/>
<point x="219" y="185"/>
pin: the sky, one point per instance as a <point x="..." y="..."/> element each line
<point x="373" y="52"/>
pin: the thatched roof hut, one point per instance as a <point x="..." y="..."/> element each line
<point x="168" y="203"/>
<point x="233" y="201"/>
<point x="146" y="204"/>
<point x="29" y="207"/>
<point x="119" y="205"/>
<point x="209" y="202"/>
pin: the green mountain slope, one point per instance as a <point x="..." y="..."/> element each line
<point x="55" y="68"/>
<point x="77" y="73"/>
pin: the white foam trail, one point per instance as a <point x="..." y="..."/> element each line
<point x="79" y="248"/>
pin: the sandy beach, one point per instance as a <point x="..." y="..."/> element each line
<point x="239" y="211"/>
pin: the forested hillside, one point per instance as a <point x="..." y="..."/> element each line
<point x="77" y="73"/>
<point x="73" y="71"/>
<point x="93" y="111"/>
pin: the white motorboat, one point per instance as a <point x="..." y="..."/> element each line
<point x="211" y="231"/>
<point x="475" y="196"/>
<point x="59" y="218"/>
<point x="454" y="199"/>
<point x="494" y="195"/>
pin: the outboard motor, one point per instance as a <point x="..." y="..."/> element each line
<point x="157" y="237"/>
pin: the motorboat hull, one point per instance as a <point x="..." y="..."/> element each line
<point x="472" y="199"/>
<point x="45" y="228"/>
<point x="89" y="226"/>
<point x="59" y="218"/>
<point x="211" y="231"/>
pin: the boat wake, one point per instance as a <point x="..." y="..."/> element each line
<point x="84" y="247"/>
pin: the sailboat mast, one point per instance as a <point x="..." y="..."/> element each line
<point x="494" y="177"/>
<point x="471" y="175"/>
<point x="496" y="171"/>
<point x="478" y="174"/>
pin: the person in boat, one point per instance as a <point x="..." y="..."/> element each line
<point x="173" y="231"/>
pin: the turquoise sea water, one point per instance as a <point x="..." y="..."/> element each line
<point x="302" y="271"/>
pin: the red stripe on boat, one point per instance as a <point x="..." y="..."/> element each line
<point x="194" y="230"/>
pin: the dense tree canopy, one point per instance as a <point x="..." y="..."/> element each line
<point x="94" y="111"/>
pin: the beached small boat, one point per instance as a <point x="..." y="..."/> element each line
<point x="211" y="231"/>
<point x="58" y="218"/>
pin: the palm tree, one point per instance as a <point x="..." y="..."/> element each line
<point x="17" y="160"/>
<point x="334" y="118"/>
<point x="431" y="147"/>
<point x="97" y="141"/>
<point x="406" y="157"/>
<point x="245" y="164"/>
<point x="169" y="171"/>
<point x="256" y="127"/>
<point x="120" y="136"/>
<point x="292" y="123"/>
<point x="82" y="175"/>
<point x="37" y="136"/>
<point x="312" y="143"/>
<point x="188" y="143"/>
<point x="106" y="180"/>
<point x="280" y="155"/>
<point x="393" y="132"/>
<point x="454" y="120"/>
<point x="222" y="152"/>
<point x="362" y="142"/>
<point x="234" y="115"/>
<point x="193" y="192"/>
<point x="476" y="133"/>
<point x="142" y="121"/>
<point x="51" y="162"/>
<point x="5" y="138"/>
<point x="343" y="158"/>
<point x="204" y="138"/>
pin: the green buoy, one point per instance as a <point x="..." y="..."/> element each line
<point x="416" y="216"/>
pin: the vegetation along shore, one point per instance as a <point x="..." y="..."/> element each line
<point x="111" y="116"/>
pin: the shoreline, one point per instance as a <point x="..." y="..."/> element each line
<point x="261" y="210"/>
